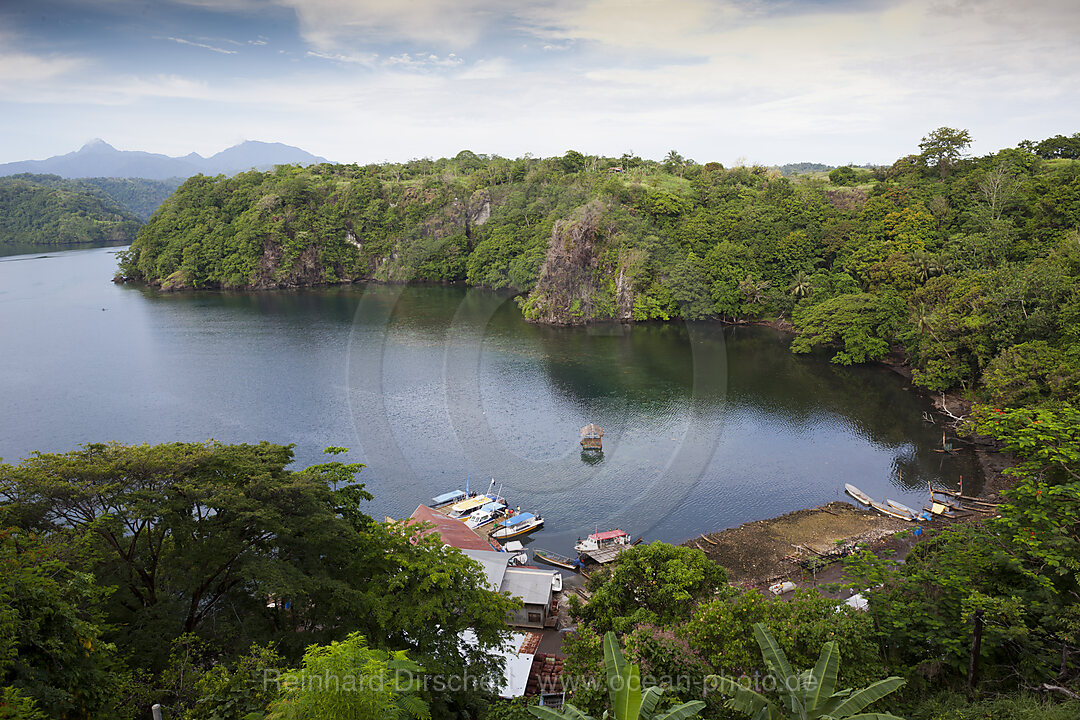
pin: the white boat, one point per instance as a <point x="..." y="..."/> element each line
<point x="556" y="582"/>
<point x="447" y="498"/>
<point x="599" y="540"/>
<point x="487" y="514"/>
<point x="517" y="526"/>
<point x="463" y="508"/>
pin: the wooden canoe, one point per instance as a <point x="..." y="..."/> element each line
<point x="857" y="494"/>
<point x="901" y="507"/>
<point x="552" y="558"/>
<point x="892" y="512"/>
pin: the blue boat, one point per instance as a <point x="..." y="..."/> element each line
<point x="447" y="498"/>
<point x="518" y="525"/>
<point x="516" y="519"/>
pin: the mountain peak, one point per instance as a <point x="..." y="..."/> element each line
<point x="98" y="158"/>
<point x="97" y="145"/>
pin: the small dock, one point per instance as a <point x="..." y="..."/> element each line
<point x="605" y="554"/>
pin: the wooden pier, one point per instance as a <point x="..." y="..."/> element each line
<point x="605" y="554"/>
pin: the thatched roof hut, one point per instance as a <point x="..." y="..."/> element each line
<point x="591" y="436"/>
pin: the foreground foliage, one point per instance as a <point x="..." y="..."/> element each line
<point x="806" y="695"/>
<point x="140" y="574"/>
<point x="628" y="701"/>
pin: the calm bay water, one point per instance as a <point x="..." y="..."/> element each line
<point x="706" y="426"/>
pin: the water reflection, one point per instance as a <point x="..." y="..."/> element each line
<point x="706" y="426"/>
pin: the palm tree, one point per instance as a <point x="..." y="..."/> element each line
<point x="924" y="266"/>
<point x="809" y="695"/>
<point x="922" y="324"/>
<point x="628" y="702"/>
<point x="753" y="291"/>
<point x="800" y="285"/>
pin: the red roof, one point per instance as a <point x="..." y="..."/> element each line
<point x="453" y="532"/>
<point x="607" y="535"/>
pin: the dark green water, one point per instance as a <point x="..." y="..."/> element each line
<point x="706" y="427"/>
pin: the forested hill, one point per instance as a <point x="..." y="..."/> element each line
<point x="971" y="263"/>
<point x="48" y="210"/>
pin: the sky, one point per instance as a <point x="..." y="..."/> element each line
<point x="752" y="81"/>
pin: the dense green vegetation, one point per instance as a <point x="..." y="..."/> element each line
<point x="970" y="264"/>
<point x="184" y="573"/>
<point x="187" y="573"/>
<point x="47" y="210"/>
<point x="139" y="195"/>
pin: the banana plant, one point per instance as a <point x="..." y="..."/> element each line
<point x="628" y="702"/>
<point x="809" y="695"/>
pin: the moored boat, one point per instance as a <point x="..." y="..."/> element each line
<point x="463" y="508"/>
<point x="553" y="558"/>
<point x="599" y="540"/>
<point x="447" y="498"/>
<point x="915" y="515"/>
<point x="517" y="526"/>
<point x="941" y="510"/>
<point x="857" y="494"/>
<point x="893" y="512"/>
<point x="479" y="519"/>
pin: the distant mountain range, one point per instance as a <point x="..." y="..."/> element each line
<point x="99" y="159"/>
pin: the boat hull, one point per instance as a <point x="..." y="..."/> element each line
<point x="892" y="512"/>
<point x="857" y="494"/>
<point x="508" y="533"/>
<point x="555" y="559"/>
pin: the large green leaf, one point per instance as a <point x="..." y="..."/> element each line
<point x="824" y="679"/>
<point x="649" y="700"/>
<point x="778" y="664"/>
<point x="774" y="656"/>
<point x="614" y="663"/>
<point x="870" y="694"/>
<point x="627" y="703"/>
<point x="568" y="712"/>
<point x="743" y="699"/>
<point x="680" y="712"/>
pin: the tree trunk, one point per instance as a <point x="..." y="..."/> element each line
<point x="976" y="650"/>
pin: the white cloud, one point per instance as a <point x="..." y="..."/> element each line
<point x="492" y="69"/>
<point x="715" y="79"/>
<point x="439" y="23"/>
<point x="18" y="68"/>
<point x="367" y="59"/>
<point x="204" y="46"/>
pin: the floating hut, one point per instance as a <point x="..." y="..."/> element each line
<point x="592" y="437"/>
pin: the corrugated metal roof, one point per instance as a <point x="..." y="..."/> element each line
<point x="453" y="532"/>
<point x="532" y="586"/>
<point x="494" y="564"/>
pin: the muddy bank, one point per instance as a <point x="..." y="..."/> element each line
<point x="763" y="551"/>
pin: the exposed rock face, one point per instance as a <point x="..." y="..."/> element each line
<point x="624" y="293"/>
<point x="568" y="285"/>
